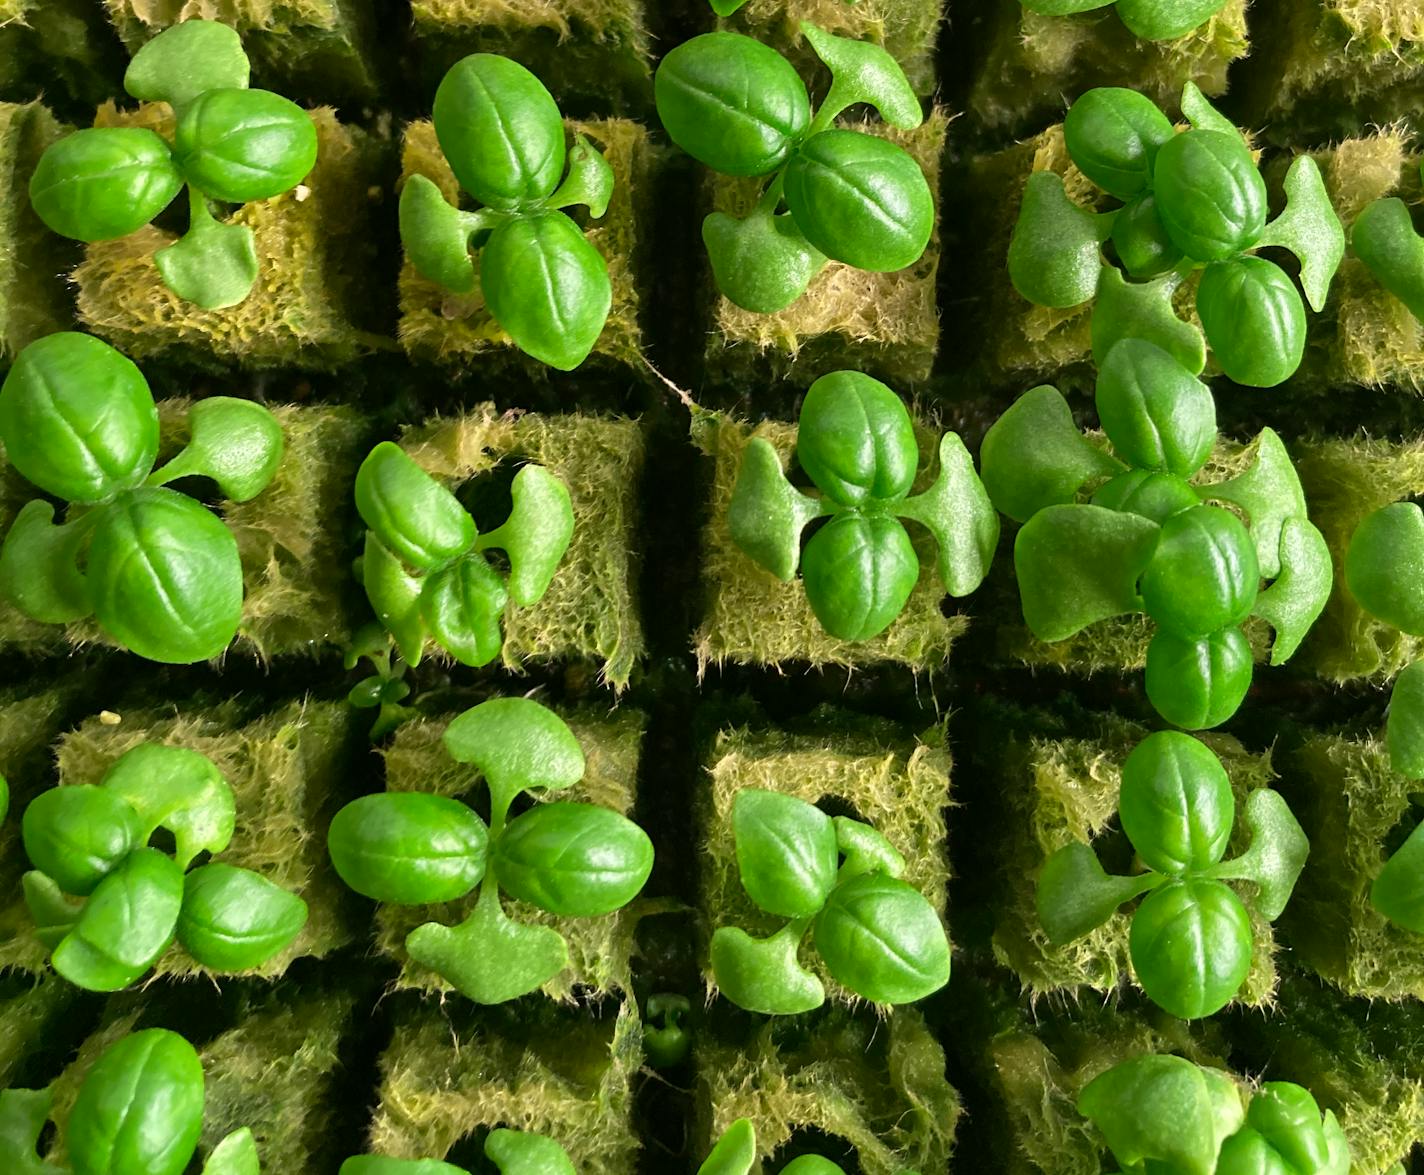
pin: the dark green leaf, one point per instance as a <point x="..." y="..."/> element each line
<point x="1210" y="196"/>
<point x="763" y="974"/>
<point x="237" y="443"/>
<point x="855" y="440"/>
<point x="859" y="570"/>
<point x="236" y="1154"/>
<point x="395" y="596"/>
<point x="579" y="860"/>
<point x="1398" y="890"/>
<point x="78" y="835"/>
<point x="1075" y="895"/>
<point x="1191" y="947"/>
<point x="212" y="265"/>
<point x="104" y="182"/>
<point x="1254" y="320"/>
<point x="956" y="509"/>
<point x="436" y="236"/>
<point x="1166" y="20"/>
<point x="415" y="517"/>
<point x="184" y="60"/>
<point x="234" y="919"/>
<point x="518" y="745"/>
<point x="1176" y="804"/>
<point x="1203" y="576"/>
<point x="1275" y="856"/>
<point x="1141" y="239"/>
<point x="787" y="852"/>
<point x="1404" y="725"/>
<point x="1384" y="566"/>
<point x="1293" y="602"/>
<point x="862" y="71"/>
<point x="517" y="1152"/>
<point x="881" y="938"/>
<point x="1054" y="254"/>
<point x="39" y="565"/>
<point x="767" y="513"/>
<point x="408" y="847"/>
<point x="177" y="789"/>
<point x="241" y="145"/>
<point x="1143" y="310"/>
<point x="590" y="180"/>
<point x="1153" y="495"/>
<point x="1198" y="684"/>
<point x="462" y="606"/>
<point x="1156" y="414"/>
<point x="53" y="914"/>
<point x="1270" y="492"/>
<point x="734" y="1153"/>
<point x="762" y="262"/>
<point x="1310" y="229"/>
<point x="1383" y="237"/>
<point x="1113" y="136"/>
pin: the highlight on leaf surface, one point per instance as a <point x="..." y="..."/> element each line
<point x="1151" y="20"/>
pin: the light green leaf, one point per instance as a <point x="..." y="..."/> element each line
<point x="1270" y="492"/>
<point x="1404" y="725"/>
<point x="1310" y="229"/>
<point x="1301" y="589"/>
<point x="956" y="509"/>
<point x="535" y="535"/>
<point x="212" y="265"/>
<point x="234" y="1155"/>
<point x="862" y="71"/>
<point x="767" y="513"/>
<point x="589" y="180"/>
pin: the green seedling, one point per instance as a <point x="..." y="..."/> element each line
<point x="387" y="689"/>
<point x="736" y="1154"/>
<point x="1191" y="201"/>
<point x="231" y="145"/>
<point x="1151" y="20"/>
<point x="139" y="1112"/>
<point x="1383" y="237"/>
<point x="513" y="1152"/>
<point x="572" y="860"/>
<point x="1190" y="940"/>
<point x="424" y="569"/>
<point x="108" y="905"/>
<point x="666" y="1039"/>
<point x="503" y="136"/>
<point x="857" y="444"/>
<point x="159" y="571"/>
<point x="1152" y="541"/>
<point x="838" y="880"/>
<point x="739" y="107"/>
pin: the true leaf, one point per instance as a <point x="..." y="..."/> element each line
<point x="1054" y="253"/>
<point x="1269" y="491"/>
<point x="415" y="517"/>
<point x="395" y="596"/>
<point x="1397" y="891"/>
<point x="865" y="850"/>
<point x="1075" y="896"/>
<point x="577" y="860"/>
<point x="408" y="847"/>
<point x="212" y="265"/>
<point x="1293" y="602"/>
<point x="1113" y="135"/>
<point x="787" y="852"/>
<point x="241" y="145"/>
<point x="518" y="1152"/>
<point x="855" y="440"/>
<point x="734" y="1153"/>
<point x="862" y="71"/>
<point x="1155" y="412"/>
<point x="79" y="834"/>
<point x="812" y="1165"/>
<point x="1384" y="566"/>
<point x="1275" y="856"/>
<point x="1151" y="494"/>
<point x="1143" y="310"/>
<point x="1165" y="20"/>
<point x="1210" y="196"/>
<point x="859" y="570"/>
<point x="236" y="1154"/>
<point x="761" y="262"/>
<point x="1404" y="725"/>
<point x="1310" y="229"/>
<point x="1190" y="944"/>
<point x="436" y="235"/>
<point x="234" y="919"/>
<point x="1253" y="319"/>
<point x="1248" y="1153"/>
<point x="104" y="182"/>
<point x="184" y="60"/>
<point x="1383" y="237"/>
<point x="1176" y="805"/>
<point x="767" y="513"/>
<point x="39" y="565"/>
<point x="956" y="509"/>
<point x="880" y="937"/>
<point x="177" y="789"/>
<point x="1198" y="683"/>
<point x="462" y="606"/>
<point x="237" y="443"/>
<point x="53" y="914"/>
<point x="1141" y="239"/>
<point x="536" y="534"/>
<point x="1288" y="1118"/>
<point x="763" y="974"/>
<point x="1065" y="7"/>
<point x="517" y="744"/>
<point x="589" y="181"/>
<point x="1203" y="575"/>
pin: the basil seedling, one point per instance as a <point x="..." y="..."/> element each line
<point x="161" y="572"/>
<point x="1383" y="237"/>
<point x="1148" y="541"/>
<point x="1191" y="938"/>
<point x="231" y="145"/>
<point x="1152" y="20"/>
<point x="91" y="842"/>
<point x="736" y="1154"/>
<point x="1190" y="200"/>
<point x="739" y="107"/>
<point x="856" y="442"/>
<point x="666" y="1039"/>
<point x="839" y="880"/>
<point x="512" y="1152"/>
<point x="573" y="860"/>
<point x="503" y="136"/>
<point x="423" y="567"/>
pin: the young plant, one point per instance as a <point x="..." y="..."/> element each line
<point x="666" y="1039"/>
<point x="424" y="570"/>
<point x="1191" y="201"/>
<point x="1190" y="940"/>
<point x="857" y="444"/>
<point x="1162" y="1113"/>
<point x="386" y="690"/>
<point x="158" y="570"/>
<point x="839" y="880"/>
<point x="139" y="1112"/>
<point x="1149" y="541"/>
<point x="739" y="107"/>
<point x="736" y="1154"/>
<point x="1383" y="237"/>
<point x="231" y="145"/>
<point x="512" y="1152"/>
<point x="503" y="136"/>
<point x="108" y="905"/>
<point x="571" y="860"/>
<point x="1151" y="20"/>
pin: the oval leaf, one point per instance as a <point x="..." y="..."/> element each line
<point x="881" y="938"/>
<point x="1113" y="136"/>
<point x="1176" y="804"/>
<point x="579" y="860"/>
<point x="1203" y="576"/>
<point x="518" y="1152"/>
<point x="1210" y="196"/>
<point x="241" y="145"/>
<point x="103" y="183"/>
<point x="236" y="920"/>
<point x="787" y="852"/>
<point x="1156" y="413"/>
<point x="859" y="571"/>
<point x="417" y="518"/>
<point x="1191" y="947"/>
<point x="408" y="847"/>
<point x="855" y="440"/>
<point x="1404" y="726"/>
<point x="462" y="606"/>
<point x="1253" y="319"/>
<point x="1198" y="684"/>
<point x="78" y="835"/>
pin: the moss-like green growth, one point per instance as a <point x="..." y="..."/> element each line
<point x="751" y="617"/>
<point x="590" y="610"/>
<point x="878" y="1087"/>
<point x="313" y="50"/>
<point x="1055" y="786"/>
<point x="885" y="324"/>
<point x="544" y="1069"/>
<point x="907" y="28"/>
<point x="298" y="593"/>
<point x="313" y="304"/>
<point x="592" y="54"/>
<point x="29" y="1018"/>
<point x="1031" y="61"/>
<point x="866" y="768"/>
<point x="60" y="48"/>
<point x="287" y="771"/>
<point x="455" y="329"/>
<point x="599" y="948"/>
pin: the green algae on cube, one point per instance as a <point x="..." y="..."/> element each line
<point x="62" y="49"/>
<point x="313" y="304"/>
<point x="599" y="948"/>
<point x="885" y="324"/>
<point x="452" y="329"/>
<point x="751" y="617"/>
<point x="33" y="1010"/>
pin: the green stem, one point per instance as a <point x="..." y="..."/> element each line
<point x="200" y="215"/>
<point x="772" y="196"/>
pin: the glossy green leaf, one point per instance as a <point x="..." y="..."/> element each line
<point x="1274" y="858"/>
<point x="787" y="852"/>
<point x="184" y="60"/>
<point x="1141" y="239"/>
<point x="1054" y="253"/>
<point x="1298" y="596"/>
<point x="408" y="847"/>
<point x="732" y="103"/>
<point x="462" y="605"/>
<point x="165" y="577"/>
<point x="1190" y="944"/>
<point x="234" y="919"/>
<point x="880" y="937"/>
<point x="1075" y="895"/>
<point x="1166" y="20"/>
<point x="1202" y="114"/>
<point x="865" y="850"/>
<point x="1198" y="683"/>
<point x="1310" y="229"/>
<point x="380" y="1165"/>
<point x="77" y="418"/>
<point x="767" y="513"/>
<point x="761" y="262"/>
<point x="23" y="1114"/>
<point x="417" y="518"/>
<point x="436" y="235"/>
<point x="139" y="1109"/>
<point x="1176" y="804"/>
<point x="1289" y="1119"/>
<point x="237" y="443"/>
<point x="861" y="200"/>
<point x="517" y="744"/>
<point x="734" y="1153"/>
<point x="763" y="974"/>
<point x="126" y="924"/>
<point x="500" y="131"/>
<point x="536" y="534"/>
<point x="1113" y="136"/>
<point x="812" y="1165"/>
<point x="590" y="180"/>
<point x="103" y="183"/>
<point x="855" y="440"/>
<point x="518" y="1152"/>
<point x="177" y="789"/>
<point x="395" y="596"/>
<point x="1155" y="412"/>
<point x="1143" y="310"/>
<point x="52" y="912"/>
<point x="212" y="265"/>
<point x="1080" y="564"/>
<point x="956" y="509"/>
<point x="667" y="1040"/>
<point x="547" y="287"/>
<point x="39" y="565"/>
<point x="1065" y="7"/>
<point x="1397" y="891"/>
<point x="1383" y="237"/>
<point x="241" y="145"/>
<point x="1270" y="492"/>
<point x="862" y="71"/>
<point x="1203" y="575"/>
<point x="1153" y="495"/>
<point x="1035" y="456"/>
<point x="859" y="570"/>
<point x="1404" y="725"/>
<point x="1384" y="566"/>
<point x="79" y="834"/>
<point x="1248" y="1153"/>
<point x="236" y="1154"/>
<point x="578" y="860"/>
<point x="1210" y="196"/>
<point x="1254" y="320"/>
